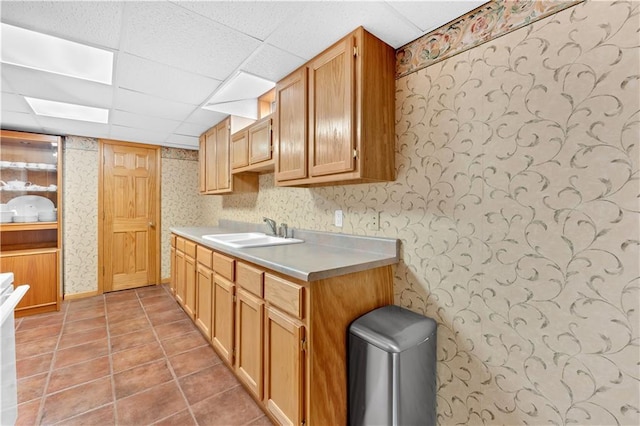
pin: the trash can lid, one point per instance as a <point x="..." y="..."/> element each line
<point x="393" y="328"/>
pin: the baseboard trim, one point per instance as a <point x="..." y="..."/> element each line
<point x="83" y="295"/>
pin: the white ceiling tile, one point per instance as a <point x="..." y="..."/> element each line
<point x="11" y="120"/>
<point x="183" y="141"/>
<point x="163" y="81"/>
<point x="206" y="117"/>
<point x="130" y="134"/>
<point x="62" y="126"/>
<point x="192" y="129"/>
<point x="255" y="18"/>
<point x="15" y="103"/>
<point x="56" y="87"/>
<point x="139" y="103"/>
<point x="172" y="35"/>
<point x="128" y="119"/>
<point x="429" y="15"/>
<point x="328" y="22"/>
<point x="89" y="22"/>
<point x="272" y="63"/>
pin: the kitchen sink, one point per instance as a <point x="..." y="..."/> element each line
<point x="250" y="239"/>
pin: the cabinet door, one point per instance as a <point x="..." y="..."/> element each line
<point x="204" y="282"/>
<point x="222" y="328"/>
<point x="291" y="116"/>
<point x="239" y="149"/>
<point x="172" y="279"/>
<point x="284" y="368"/>
<point x="260" y="142"/>
<point x="223" y="161"/>
<point x="40" y="271"/>
<point x="249" y="340"/>
<point x="210" y="161"/>
<point x="190" y="286"/>
<point x="180" y="277"/>
<point x="202" y="163"/>
<point x="331" y="110"/>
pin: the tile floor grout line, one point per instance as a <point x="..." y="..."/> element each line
<point x="54" y="354"/>
<point x="111" y="372"/>
<point x="168" y="362"/>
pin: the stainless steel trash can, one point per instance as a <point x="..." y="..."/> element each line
<point x="392" y="368"/>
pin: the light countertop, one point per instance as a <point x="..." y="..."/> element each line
<point x="322" y="255"/>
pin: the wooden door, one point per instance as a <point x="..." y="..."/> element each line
<point x="210" y="161"/>
<point x="223" y="318"/>
<point x="291" y="116"/>
<point x="130" y="210"/>
<point x="239" y="149"/>
<point x="260" y="142"/>
<point x="204" y="282"/>
<point x="223" y="161"/>
<point x="284" y="368"/>
<point x="249" y="340"/>
<point x="331" y="110"/>
<point x="190" y="286"/>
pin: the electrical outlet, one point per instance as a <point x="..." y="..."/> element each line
<point x="374" y="221"/>
<point x="337" y="218"/>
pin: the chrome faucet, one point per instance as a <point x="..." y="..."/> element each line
<point x="284" y="230"/>
<point x="272" y="225"/>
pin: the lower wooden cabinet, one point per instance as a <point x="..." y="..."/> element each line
<point x="222" y="332"/>
<point x="249" y="341"/>
<point x="39" y="269"/>
<point x="204" y="306"/>
<point x="180" y="284"/>
<point x="190" y="286"/>
<point x="285" y="339"/>
<point x="284" y="367"/>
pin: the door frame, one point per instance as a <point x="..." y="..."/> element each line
<point x="158" y="149"/>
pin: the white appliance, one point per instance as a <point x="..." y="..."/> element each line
<point x="9" y="298"/>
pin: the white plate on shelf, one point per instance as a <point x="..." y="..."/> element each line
<point x="30" y="205"/>
<point x="25" y="218"/>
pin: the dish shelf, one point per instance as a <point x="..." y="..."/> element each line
<point x="2" y="189"/>
<point x="30" y="168"/>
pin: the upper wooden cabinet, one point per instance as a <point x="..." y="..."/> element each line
<point x="252" y="147"/>
<point x="215" y="163"/>
<point x="335" y="116"/>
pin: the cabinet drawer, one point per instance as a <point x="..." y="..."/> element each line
<point x="190" y="249"/>
<point x="173" y="240"/>
<point x="283" y="294"/>
<point x="180" y="244"/>
<point x="249" y="278"/>
<point x="224" y="266"/>
<point x="204" y="256"/>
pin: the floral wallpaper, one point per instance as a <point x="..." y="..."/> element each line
<point x="516" y="202"/>
<point x="493" y="19"/>
<point x="80" y="222"/>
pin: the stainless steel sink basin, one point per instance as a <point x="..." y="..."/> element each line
<point x="250" y="239"/>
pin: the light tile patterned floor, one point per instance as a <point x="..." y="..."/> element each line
<point x="129" y="358"/>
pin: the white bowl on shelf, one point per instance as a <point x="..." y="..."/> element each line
<point x="25" y="218"/>
<point x="47" y="216"/>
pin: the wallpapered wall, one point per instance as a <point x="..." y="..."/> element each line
<point x="517" y="205"/>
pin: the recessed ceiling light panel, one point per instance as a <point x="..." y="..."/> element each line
<point x="239" y="95"/>
<point x="68" y="111"/>
<point x="43" y="52"/>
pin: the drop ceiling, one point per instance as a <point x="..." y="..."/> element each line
<point x="172" y="56"/>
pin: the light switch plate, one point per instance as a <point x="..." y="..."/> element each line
<point x="337" y="218"/>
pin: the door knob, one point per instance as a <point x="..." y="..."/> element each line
<point x="152" y="225"/>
